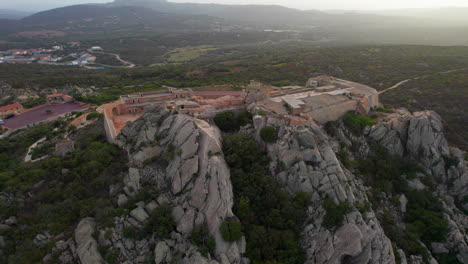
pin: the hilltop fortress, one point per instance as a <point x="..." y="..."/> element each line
<point x="322" y="99"/>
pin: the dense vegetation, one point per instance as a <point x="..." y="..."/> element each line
<point x="271" y="219"/>
<point x="334" y="215"/>
<point x="357" y="123"/>
<point x="269" y="134"/>
<point x="62" y="190"/>
<point x="231" y="230"/>
<point x="229" y="121"/>
<point x="424" y="217"/>
<point x="201" y="238"/>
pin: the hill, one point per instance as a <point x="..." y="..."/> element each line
<point x="271" y="15"/>
<point x="101" y="19"/>
<point x="458" y="15"/>
<point x="13" y="14"/>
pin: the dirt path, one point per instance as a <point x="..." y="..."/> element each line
<point x="117" y="56"/>
<point x="417" y="78"/>
<point x="28" y="156"/>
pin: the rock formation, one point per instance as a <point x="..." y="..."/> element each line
<point x="419" y="137"/>
<point x="86" y="245"/>
<point x="182" y="158"/>
<point x="303" y="159"/>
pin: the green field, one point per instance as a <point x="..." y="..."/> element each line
<point x="189" y="53"/>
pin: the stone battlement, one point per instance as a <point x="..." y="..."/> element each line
<point x="323" y="99"/>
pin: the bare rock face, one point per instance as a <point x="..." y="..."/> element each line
<point x="86" y="245"/>
<point x="187" y="165"/>
<point x="419" y="136"/>
<point x="304" y="161"/>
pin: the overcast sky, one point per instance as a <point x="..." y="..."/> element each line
<point x="301" y="4"/>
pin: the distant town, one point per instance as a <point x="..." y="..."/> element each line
<point x="54" y="55"/>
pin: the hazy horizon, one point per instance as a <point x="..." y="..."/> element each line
<point x="352" y="5"/>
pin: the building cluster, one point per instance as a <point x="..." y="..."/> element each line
<point x="53" y="56"/>
<point x="11" y="110"/>
<point x="322" y="99"/>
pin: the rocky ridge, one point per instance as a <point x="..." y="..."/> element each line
<point x="419" y="136"/>
<point x="303" y="160"/>
<point x="181" y="157"/>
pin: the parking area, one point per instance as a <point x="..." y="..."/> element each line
<point x="41" y="114"/>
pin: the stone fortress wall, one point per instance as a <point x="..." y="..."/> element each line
<point x="323" y="99"/>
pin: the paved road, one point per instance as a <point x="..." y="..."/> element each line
<point x="40" y="114"/>
<point x="417" y="78"/>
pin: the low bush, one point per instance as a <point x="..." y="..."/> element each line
<point x="201" y="238"/>
<point x="335" y="214"/>
<point x="269" y="134"/>
<point x="228" y="121"/>
<point x="384" y="110"/>
<point x="231" y="230"/>
<point x="161" y="222"/>
<point x="357" y="123"/>
<point x="93" y="115"/>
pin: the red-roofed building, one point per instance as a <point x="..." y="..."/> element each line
<point x="11" y="109"/>
<point x="58" y="98"/>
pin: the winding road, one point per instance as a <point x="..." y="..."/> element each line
<point x="117" y="56"/>
<point x="417" y="78"/>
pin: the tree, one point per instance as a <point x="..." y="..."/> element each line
<point x="201" y="238"/>
<point x="334" y="213"/>
<point x="161" y="222"/>
<point x="269" y="134"/>
<point x="226" y="121"/>
<point x="231" y="230"/>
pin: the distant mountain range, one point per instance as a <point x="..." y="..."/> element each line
<point x="13" y="14"/>
<point x="137" y="16"/>
<point x="98" y="18"/>
<point x="452" y="14"/>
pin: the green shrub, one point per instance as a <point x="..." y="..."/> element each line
<point x="261" y="112"/>
<point x="161" y="223"/>
<point x="343" y="156"/>
<point x="231" y="230"/>
<point x="112" y="256"/>
<point x="357" y="123"/>
<point x="269" y="134"/>
<point x="450" y="161"/>
<point x="272" y="220"/>
<point x="226" y="121"/>
<point x="201" y="238"/>
<point x="93" y="115"/>
<point x="71" y="128"/>
<point x="335" y="214"/>
<point x="384" y="110"/>
<point x="130" y="232"/>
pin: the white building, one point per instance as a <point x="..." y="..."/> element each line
<point x="96" y="48"/>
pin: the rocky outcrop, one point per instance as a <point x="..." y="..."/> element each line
<point x="181" y="157"/>
<point x="419" y="136"/>
<point x="86" y="245"/>
<point x="304" y="161"/>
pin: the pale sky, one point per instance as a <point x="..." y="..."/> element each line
<point x="301" y="4"/>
